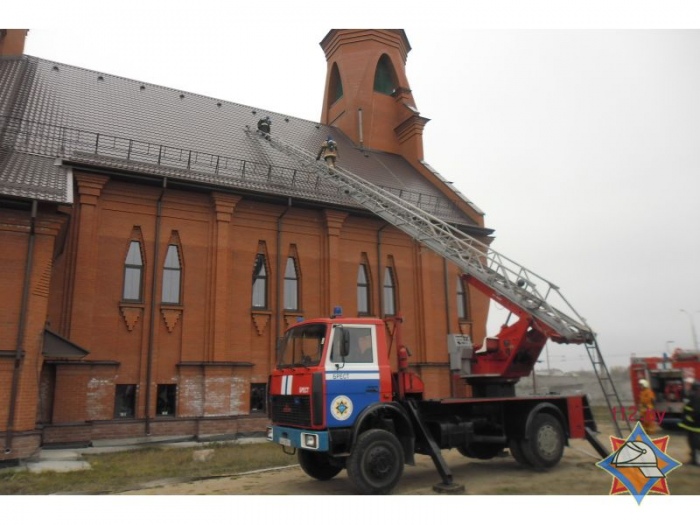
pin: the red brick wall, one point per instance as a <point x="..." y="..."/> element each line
<point x="15" y="257"/>
<point x="239" y="346"/>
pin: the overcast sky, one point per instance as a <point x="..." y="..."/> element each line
<point x="580" y="145"/>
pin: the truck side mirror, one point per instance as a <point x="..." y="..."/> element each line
<point x="345" y="343"/>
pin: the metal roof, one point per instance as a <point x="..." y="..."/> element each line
<point x="50" y="111"/>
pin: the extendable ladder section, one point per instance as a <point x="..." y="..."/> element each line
<point x="516" y="283"/>
<point x="526" y="289"/>
<point x="612" y="399"/>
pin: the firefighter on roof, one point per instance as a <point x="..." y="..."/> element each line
<point x="329" y="152"/>
<point x="264" y="125"/>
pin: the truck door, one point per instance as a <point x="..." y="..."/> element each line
<point x="352" y="380"/>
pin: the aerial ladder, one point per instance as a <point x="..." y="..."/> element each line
<point x="510" y="284"/>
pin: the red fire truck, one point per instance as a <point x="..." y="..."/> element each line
<point x="338" y="407"/>
<point x="342" y="395"/>
<point x="667" y="378"/>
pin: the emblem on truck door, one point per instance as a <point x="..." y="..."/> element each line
<point x="341" y="408"/>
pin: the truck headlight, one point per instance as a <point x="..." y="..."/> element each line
<point x="309" y="440"/>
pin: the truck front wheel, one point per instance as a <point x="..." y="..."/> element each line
<point x="317" y="465"/>
<point x="376" y="462"/>
<point x="544" y="444"/>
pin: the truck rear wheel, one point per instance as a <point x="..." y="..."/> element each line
<point x="516" y="450"/>
<point x="544" y="444"/>
<point x="375" y="464"/>
<point x="317" y="465"/>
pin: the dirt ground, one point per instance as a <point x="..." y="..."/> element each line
<point x="576" y="474"/>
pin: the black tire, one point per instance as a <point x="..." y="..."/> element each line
<point x="516" y="450"/>
<point x="480" y="450"/>
<point x="317" y="465"/>
<point x="375" y="464"/>
<point x="544" y="444"/>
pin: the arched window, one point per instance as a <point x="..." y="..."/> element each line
<point x="172" y="276"/>
<point x="462" y="300"/>
<point x="335" y="86"/>
<point x="260" y="282"/>
<point x="133" y="273"/>
<point x="389" y="292"/>
<point x="291" y="285"/>
<point x="385" y="76"/>
<point x="362" y="290"/>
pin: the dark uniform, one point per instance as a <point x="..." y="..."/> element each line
<point x="264" y="125"/>
<point x="691" y="422"/>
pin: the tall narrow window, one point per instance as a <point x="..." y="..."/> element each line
<point x="462" y="300"/>
<point x="362" y="290"/>
<point x="335" y="86"/>
<point x="133" y="273"/>
<point x="172" y="274"/>
<point x="385" y="76"/>
<point x="389" y="292"/>
<point x="259" y="282"/>
<point x="291" y="285"/>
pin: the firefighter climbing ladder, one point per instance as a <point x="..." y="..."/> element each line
<point x="510" y="280"/>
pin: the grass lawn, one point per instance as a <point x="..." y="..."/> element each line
<point x="119" y="471"/>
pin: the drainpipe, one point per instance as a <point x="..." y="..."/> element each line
<point x="154" y="282"/>
<point x="359" y="125"/>
<point x="447" y="320"/>
<point x="380" y="277"/>
<point x="21" y="328"/>
<point x="447" y="295"/>
<point x="279" y="266"/>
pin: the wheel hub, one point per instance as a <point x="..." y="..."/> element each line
<point x="379" y="462"/>
<point x="547" y="441"/>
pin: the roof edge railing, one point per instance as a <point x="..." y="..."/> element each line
<point x="43" y="138"/>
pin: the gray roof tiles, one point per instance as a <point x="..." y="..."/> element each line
<point x="50" y="110"/>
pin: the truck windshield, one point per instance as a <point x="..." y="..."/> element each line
<point x="302" y="346"/>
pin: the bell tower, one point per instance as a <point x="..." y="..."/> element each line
<point x="367" y="94"/>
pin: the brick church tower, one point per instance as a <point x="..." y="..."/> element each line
<point x="12" y="41"/>
<point x="367" y="94"/>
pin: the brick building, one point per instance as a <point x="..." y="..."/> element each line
<point x="153" y="252"/>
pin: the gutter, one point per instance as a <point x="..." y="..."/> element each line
<point x="21" y="329"/>
<point x="154" y="281"/>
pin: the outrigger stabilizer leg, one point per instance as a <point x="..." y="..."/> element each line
<point x="447" y="485"/>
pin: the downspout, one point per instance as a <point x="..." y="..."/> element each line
<point x="447" y="295"/>
<point x="380" y="278"/>
<point x="154" y="281"/>
<point x="19" y="352"/>
<point x="359" y="125"/>
<point x="279" y="267"/>
<point x="447" y="320"/>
